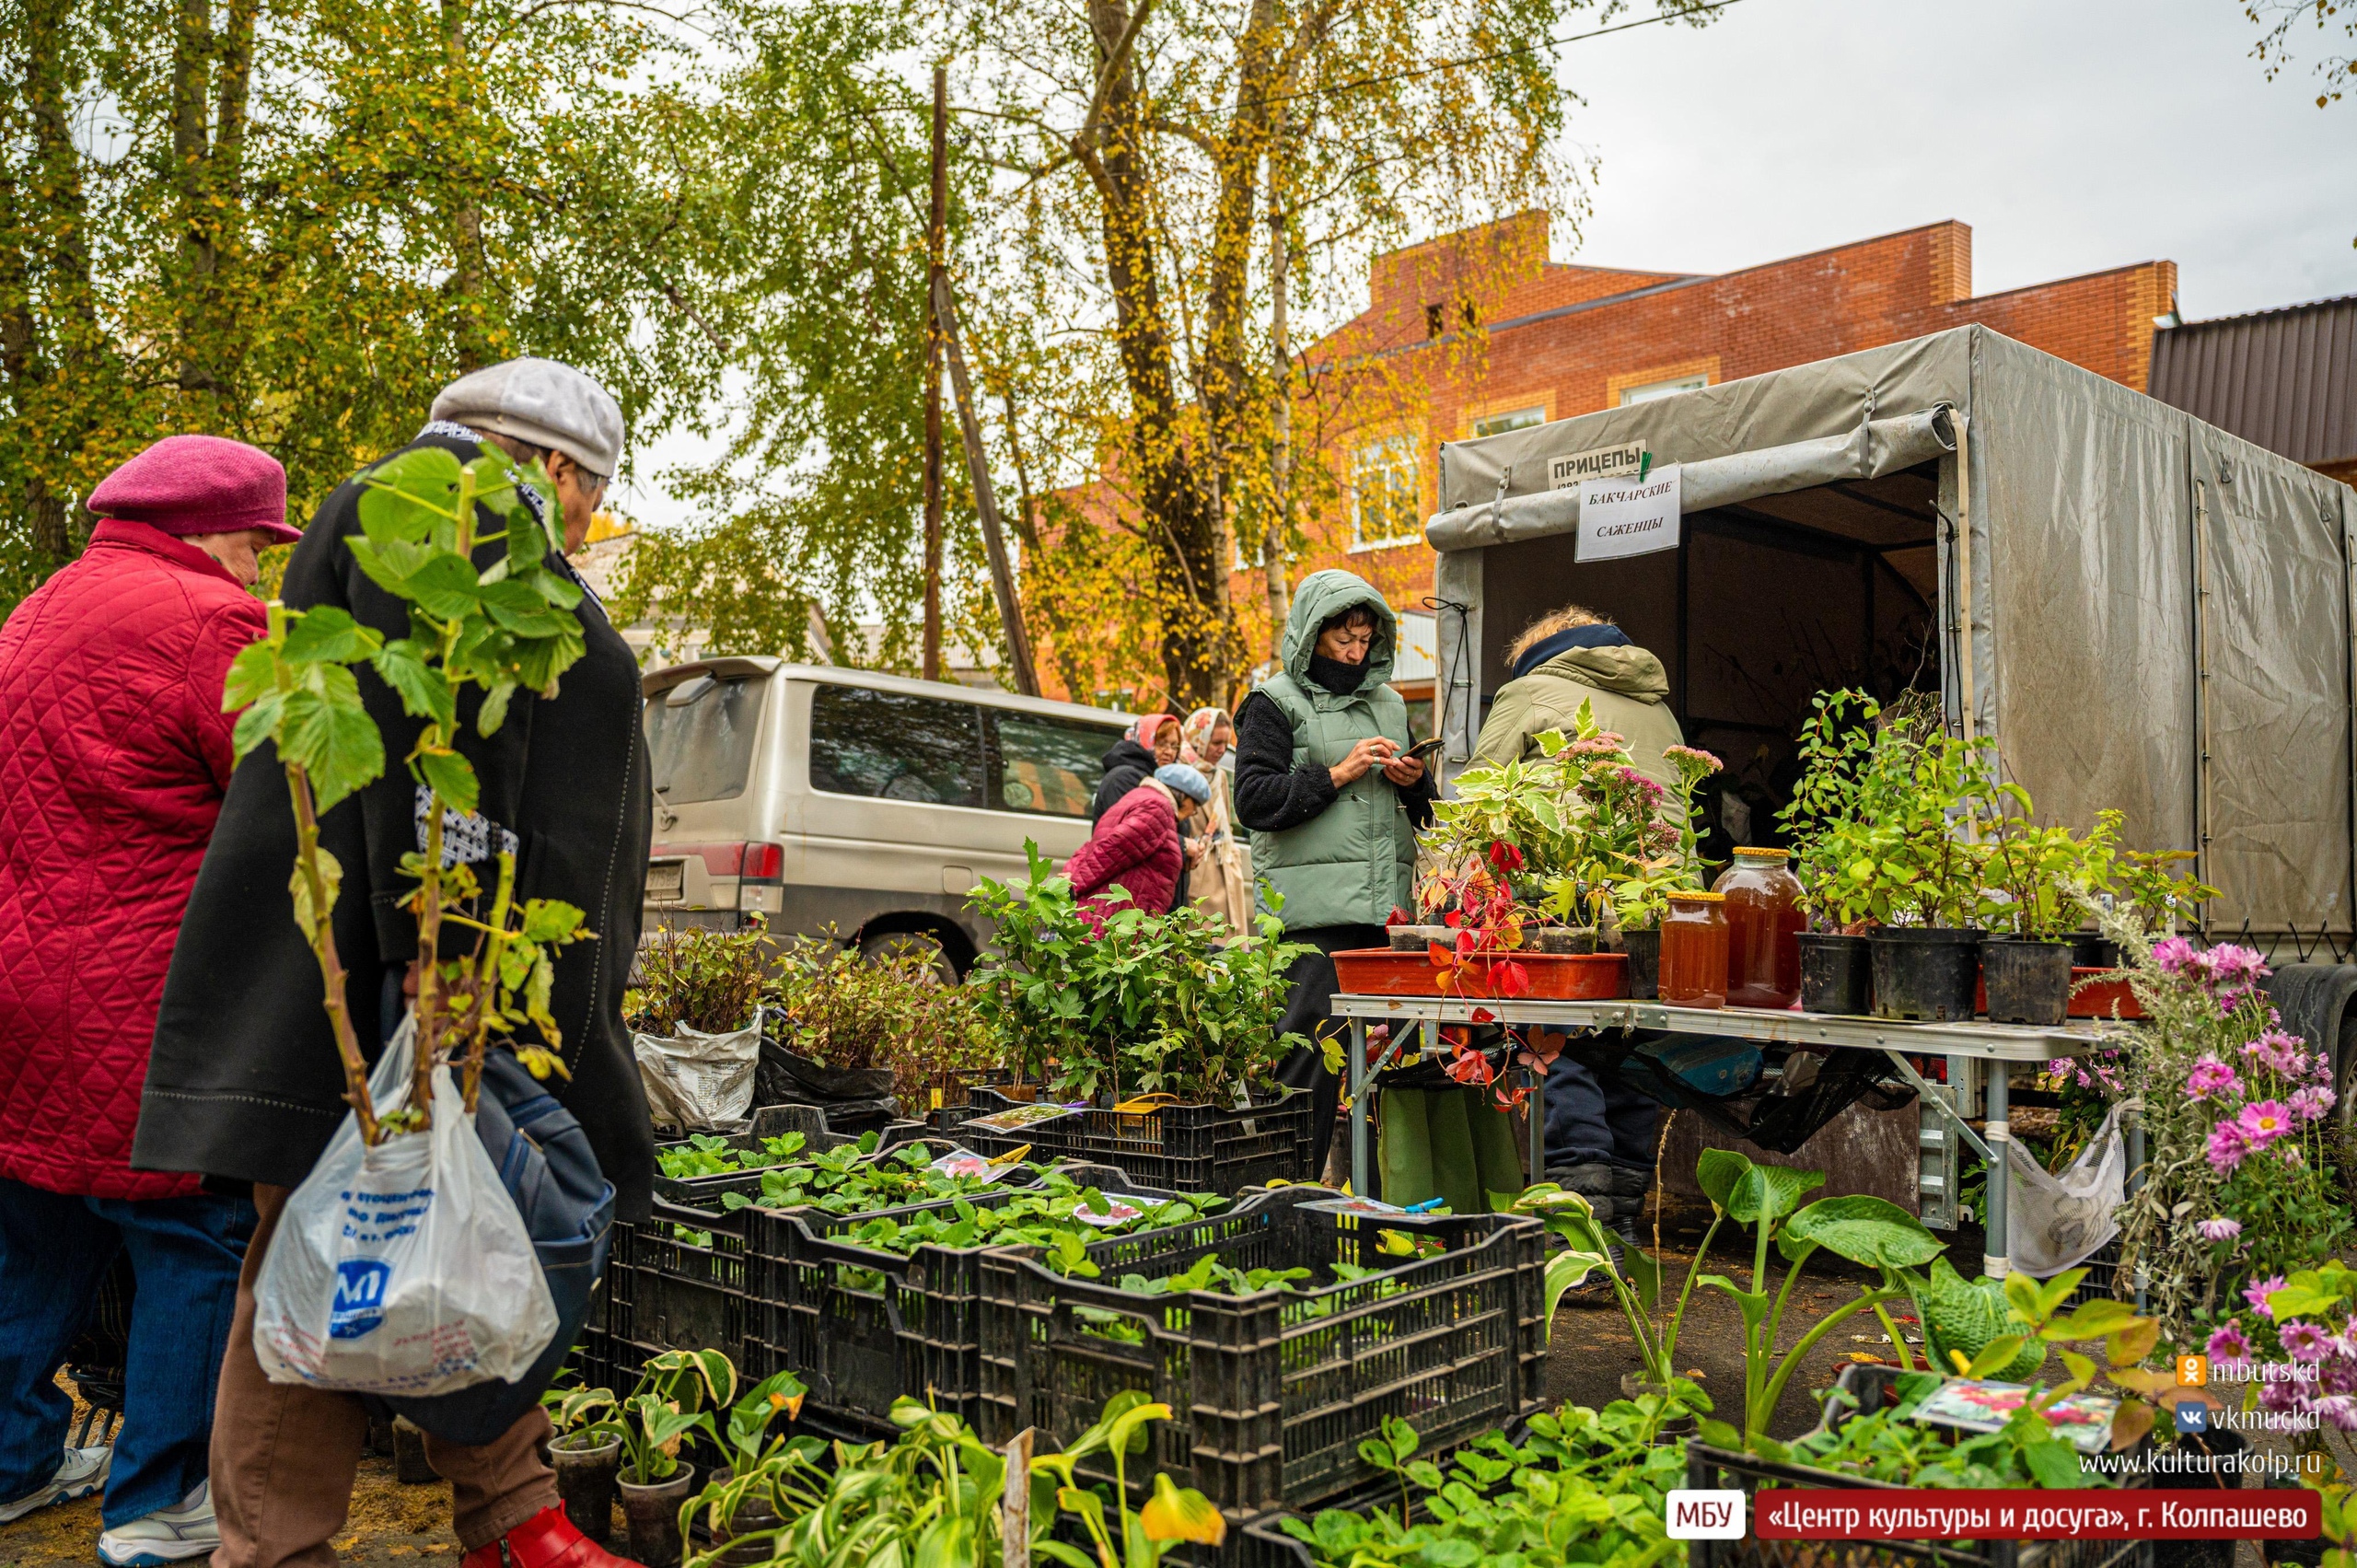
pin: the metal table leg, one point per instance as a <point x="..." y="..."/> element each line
<point x="1997" y="1260"/>
<point x="1358" y="1107"/>
<point x="1535" y="1081"/>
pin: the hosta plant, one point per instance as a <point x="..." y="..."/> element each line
<point x="490" y="614"/>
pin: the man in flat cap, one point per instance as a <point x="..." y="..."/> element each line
<point x="245" y="1084"/>
<point x="114" y="755"/>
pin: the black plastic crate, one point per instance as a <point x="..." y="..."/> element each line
<point x="678" y="1281"/>
<point x="950" y="1095"/>
<point x="1184" y="1148"/>
<point x="819" y="1134"/>
<point x="859" y="1348"/>
<point x="1272" y="1393"/>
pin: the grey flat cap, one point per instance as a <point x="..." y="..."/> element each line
<point x="541" y="401"/>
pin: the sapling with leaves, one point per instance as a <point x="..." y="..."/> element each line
<point x="477" y="635"/>
<point x="676" y="1392"/>
<point x="1172" y="1514"/>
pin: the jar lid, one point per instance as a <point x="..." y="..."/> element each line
<point x="1765" y="854"/>
<point x="1696" y="896"/>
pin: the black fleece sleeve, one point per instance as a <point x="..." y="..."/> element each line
<point x="1271" y="795"/>
<point x="1421" y="794"/>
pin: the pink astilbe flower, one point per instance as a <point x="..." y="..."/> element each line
<point x="2264" y="1122"/>
<point x="2311" y="1103"/>
<point x="2228" y="1145"/>
<point x="2303" y="1341"/>
<point x="2221" y="1229"/>
<point x="2258" y="1294"/>
<point x="2212" y="1077"/>
<point x="2228" y="1345"/>
<point x="2173" y="954"/>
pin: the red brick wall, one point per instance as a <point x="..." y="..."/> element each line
<point x="1788" y="312"/>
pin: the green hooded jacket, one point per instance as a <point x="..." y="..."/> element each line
<point x="1354" y="863"/>
<point x="1625" y="688"/>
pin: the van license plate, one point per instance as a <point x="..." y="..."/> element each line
<point x="665" y="881"/>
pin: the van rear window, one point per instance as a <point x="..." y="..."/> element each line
<point x="700" y="738"/>
<point x="1049" y="766"/>
<point x="890" y="746"/>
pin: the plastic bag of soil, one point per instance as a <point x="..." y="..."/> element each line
<point x="784" y="1076"/>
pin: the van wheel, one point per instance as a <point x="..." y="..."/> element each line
<point x="890" y="944"/>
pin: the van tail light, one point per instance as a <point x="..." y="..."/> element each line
<point x="764" y="862"/>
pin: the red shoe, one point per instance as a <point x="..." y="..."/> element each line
<point x="547" y="1539"/>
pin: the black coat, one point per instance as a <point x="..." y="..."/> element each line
<point x="243" y="1084"/>
<point x="1126" y="766"/>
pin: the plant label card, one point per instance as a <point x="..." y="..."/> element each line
<point x="1114" y="1213"/>
<point x="1369" y="1206"/>
<point x="1969" y="1404"/>
<point x="1628" y="516"/>
<point x="958" y="1161"/>
<point x="1016" y="1118"/>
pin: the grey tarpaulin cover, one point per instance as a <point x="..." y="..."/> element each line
<point x="2120" y="548"/>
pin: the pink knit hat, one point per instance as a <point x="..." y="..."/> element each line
<point x="190" y="484"/>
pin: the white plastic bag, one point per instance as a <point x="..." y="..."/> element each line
<point x="403" y="1268"/>
<point x="698" y="1082"/>
<point x="2055" y="1222"/>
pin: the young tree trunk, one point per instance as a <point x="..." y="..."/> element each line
<point x="472" y="337"/>
<point x="1178" y="516"/>
<point x="1278" y="529"/>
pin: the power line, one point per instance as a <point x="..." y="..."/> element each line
<point x="1440" y="65"/>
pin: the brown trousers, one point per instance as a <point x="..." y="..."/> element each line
<point x="284" y="1456"/>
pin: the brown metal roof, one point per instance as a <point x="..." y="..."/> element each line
<point x="2282" y="379"/>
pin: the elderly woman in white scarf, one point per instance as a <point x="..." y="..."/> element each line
<point x="1221" y="881"/>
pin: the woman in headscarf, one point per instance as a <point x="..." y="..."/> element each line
<point x="1222" y="881"/>
<point x="1153" y="742"/>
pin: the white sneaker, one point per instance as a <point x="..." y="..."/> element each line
<point x="83" y="1472"/>
<point x="168" y="1535"/>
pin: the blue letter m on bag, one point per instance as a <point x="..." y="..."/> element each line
<point x="359" y="1297"/>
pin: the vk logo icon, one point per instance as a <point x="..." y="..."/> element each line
<point x="2192" y="1415"/>
<point x="359" y="1297"/>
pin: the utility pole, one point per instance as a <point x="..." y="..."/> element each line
<point x="936" y="277"/>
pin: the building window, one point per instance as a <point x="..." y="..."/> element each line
<point x="1384" y="493"/>
<point x="1433" y="317"/>
<point x="1670" y="388"/>
<point x="1499" y="424"/>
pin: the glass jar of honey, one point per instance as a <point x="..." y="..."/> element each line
<point x="1694" y="950"/>
<point x="1764" y="923"/>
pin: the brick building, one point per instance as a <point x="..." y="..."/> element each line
<point x="1555" y="340"/>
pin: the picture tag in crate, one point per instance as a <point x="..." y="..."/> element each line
<point x="1016" y="1118"/>
<point x="1015" y="1523"/>
<point x="1354" y="1206"/>
<point x="958" y="1161"/>
<point x="1116" y="1214"/>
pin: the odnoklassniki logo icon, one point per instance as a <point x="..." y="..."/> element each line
<point x="359" y="1297"/>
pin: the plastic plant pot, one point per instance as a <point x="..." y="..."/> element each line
<point x="585" y="1481"/>
<point x="2091" y="951"/>
<point x="1837" y="973"/>
<point x="654" y="1515"/>
<point x="2028" y="982"/>
<point x="752" y="1516"/>
<point x="1562" y="939"/>
<point x="1926" y="974"/>
<point x="1643" y="949"/>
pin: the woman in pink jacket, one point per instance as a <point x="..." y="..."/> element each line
<point x="114" y="755"/>
<point x="1135" y="856"/>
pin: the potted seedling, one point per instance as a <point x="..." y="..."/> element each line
<point x="697" y="998"/>
<point x="586" y="1453"/>
<point x="741" y="1503"/>
<point x="2034" y="875"/>
<point x="667" y="1405"/>
<point x="1822" y="818"/>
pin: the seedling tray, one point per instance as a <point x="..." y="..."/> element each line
<point x="862" y="1326"/>
<point x="1184" y="1148"/>
<point x="774" y="1122"/>
<point x="1272" y="1393"/>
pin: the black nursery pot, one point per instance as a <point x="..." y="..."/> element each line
<point x="1837" y="973"/>
<point x="2200" y="1460"/>
<point x="1643" y="949"/>
<point x="654" y="1515"/>
<point x="2091" y="951"/>
<point x="2028" y="982"/>
<point x="1925" y="973"/>
<point x="585" y="1481"/>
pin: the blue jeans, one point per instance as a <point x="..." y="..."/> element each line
<point x="54" y="1250"/>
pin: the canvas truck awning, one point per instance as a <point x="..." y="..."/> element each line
<point x="2156" y="616"/>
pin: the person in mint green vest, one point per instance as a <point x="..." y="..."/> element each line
<point x="1333" y="802"/>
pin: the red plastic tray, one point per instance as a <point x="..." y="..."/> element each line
<point x="1554" y="977"/>
<point x="2094" y="1001"/>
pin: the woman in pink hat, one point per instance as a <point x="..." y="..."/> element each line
<point x="114" y="755"/>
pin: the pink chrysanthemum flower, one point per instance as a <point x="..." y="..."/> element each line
<point x="2264" y="1122"/>
<point x="2220" y="1229"/>
<point x="2258" y="1294"/>
<point x="2311" y="1103"/>
<point x="2303" y="1341"/>
<point x="2337" y="1409"/>
<point x="2228" y="1145"/>
<point x="2228" y="1346"/>
<point x="2173" y="954"/>
<point x="2212" y="1077"/>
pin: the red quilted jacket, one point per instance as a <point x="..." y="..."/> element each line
<point x="114" y="755"/>
<point x="1135" y="847"/>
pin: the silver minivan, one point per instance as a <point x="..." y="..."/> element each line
<point x="830" y="798"/>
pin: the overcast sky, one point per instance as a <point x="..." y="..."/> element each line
<point x="2072" y="135"/>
